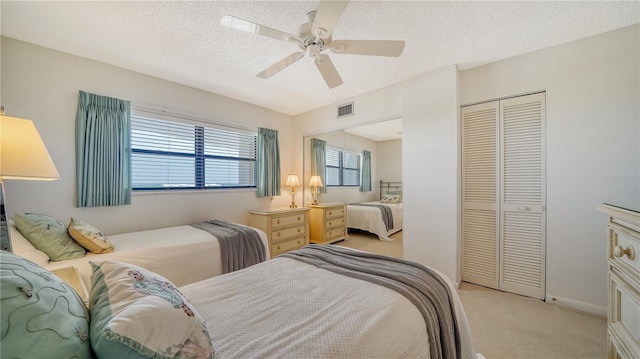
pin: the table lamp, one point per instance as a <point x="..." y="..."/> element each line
<point x="293" y="181"/>
<point x="315" y="183"/>
<point x="23" y="156"/>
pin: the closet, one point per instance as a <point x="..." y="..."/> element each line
<point x="503" y="194"/>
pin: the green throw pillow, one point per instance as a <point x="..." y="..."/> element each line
<point x="48" y="235"/>
<point x="42" y="316"/>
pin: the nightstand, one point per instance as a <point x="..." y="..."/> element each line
<point x="72" y="277"/>
<point x="327" y="222"/>
<point x="286" y="229"/>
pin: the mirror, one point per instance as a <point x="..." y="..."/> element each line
<point x="383" y="139"/>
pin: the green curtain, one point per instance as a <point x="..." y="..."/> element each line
<point x="103" y="156"/>
<point x="268" y="163"/>
<point x="319" y="161"/>
<point x="365" y="174"/>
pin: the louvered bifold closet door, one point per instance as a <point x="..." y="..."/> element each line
<point x="523" y="196"/>
<point x="480" y="195"/>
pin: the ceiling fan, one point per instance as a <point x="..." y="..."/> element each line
<point x="314" y="37"/>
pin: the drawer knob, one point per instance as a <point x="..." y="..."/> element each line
<point x="278" y="247"/>
<point x="330" y="213"/>
<point x="278" y="222"/>
<point x="618" y="251"/>
<point x="278" y="234"/>
<point x="298" y="230"/>
<point x="298" y="218"/>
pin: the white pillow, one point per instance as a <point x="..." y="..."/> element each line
<point x="22" y="247"/>
<point x="136" y="313"/>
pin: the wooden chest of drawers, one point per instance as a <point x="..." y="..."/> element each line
<point x="623" y="252"/>
<point x="286" y="229"/>
<point x="327" y="223"/>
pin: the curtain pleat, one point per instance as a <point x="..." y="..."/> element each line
<point x="103" y="156"/>
<point x="268" y="158"/>
<point x="365" y="174"/>
<point x="319" y="161"/>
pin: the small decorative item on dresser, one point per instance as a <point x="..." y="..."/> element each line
<point x="315" y="182"/>
<point x="292" y="181"/>
<point x="286" y="229"/>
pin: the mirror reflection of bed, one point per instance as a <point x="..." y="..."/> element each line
<point x="366" y="231"/>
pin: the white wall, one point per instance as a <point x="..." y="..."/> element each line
<point x="593" y="122"/>
<point x="42" y="85"/>
<point x="389" y="160"/>
<point x="430" y="153"/>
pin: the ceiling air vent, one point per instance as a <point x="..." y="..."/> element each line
<point x="345" y="110"/>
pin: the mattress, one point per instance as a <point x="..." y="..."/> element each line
<point x="284" y="308"/>
<point x="182" y="254"/>
<point x="370" y="219"/>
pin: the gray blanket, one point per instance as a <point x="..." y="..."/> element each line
<point x="421" y="285"/>
<point x="240" y="246"/>
<point x="387" y="215"/>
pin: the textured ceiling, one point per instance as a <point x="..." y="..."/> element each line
<point x="183" y="41"/>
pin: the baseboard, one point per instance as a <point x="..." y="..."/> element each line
<point x="577" y="305"/>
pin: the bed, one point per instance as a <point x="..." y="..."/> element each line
<point x="382" y="218"/>
<point x="182" y="254"/>
<point x="304" y="303"/>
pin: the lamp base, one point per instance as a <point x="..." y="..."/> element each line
<point x="293" y="205"/>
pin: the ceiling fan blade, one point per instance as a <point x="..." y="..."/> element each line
<point x="280" y="65"/>
<point x="327" y="17"/>
<point x="328" y="71"/>
<point x="390" y="48"/>
<point x="248" y="26"/>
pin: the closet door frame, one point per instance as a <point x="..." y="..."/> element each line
<point x="513" y="209"/>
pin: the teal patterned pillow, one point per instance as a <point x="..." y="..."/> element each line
<point x="136" y="313"/>
<point x="42" y="316"/>
<point x="48" y="235"/>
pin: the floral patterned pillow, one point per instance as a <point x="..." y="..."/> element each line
<point x="89" y="237"/>
<point x="137" y="313"/>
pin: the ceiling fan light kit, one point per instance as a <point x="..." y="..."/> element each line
<point x="314" y="37"/>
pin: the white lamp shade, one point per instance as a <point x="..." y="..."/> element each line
<point x="23" y="155"/>
<point x="292" y="181"/>
<point x="315" y="181"/>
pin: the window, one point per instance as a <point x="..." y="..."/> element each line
<point x="343" y="167"/>
<point x="175" y="155"/>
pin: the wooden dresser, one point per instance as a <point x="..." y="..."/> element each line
<point x="623" y="251"/>
<point x="286" y="229"/>
<point x="328" y="222"/>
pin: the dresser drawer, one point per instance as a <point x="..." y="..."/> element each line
<point x="287" y="220"/>
<point x="333" y="234"/>
<point x="624" y="314"/>
<point x="335" y="212"/>
<point x="288" y="245"/>
<point x="624" y="249"/>
<point x="283" y="234"/>
<point x="335" y="223"/>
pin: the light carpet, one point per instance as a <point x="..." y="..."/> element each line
<point x="510" y="326"/>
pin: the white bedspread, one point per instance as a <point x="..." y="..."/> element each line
<point x="284" y="308"/>
<point x="370" y="219"/>
<point x="182" y="254"/>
